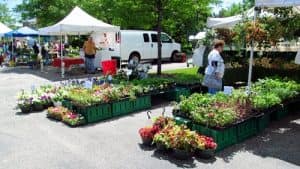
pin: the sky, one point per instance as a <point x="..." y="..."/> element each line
<point x="12" y="3"/>
<point x="225" y="4"/>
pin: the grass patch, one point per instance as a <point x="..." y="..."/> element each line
<point x="185" y="71"/>
<point x="186" y="76"/>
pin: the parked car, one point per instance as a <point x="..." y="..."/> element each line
<point x="140" y="45"/>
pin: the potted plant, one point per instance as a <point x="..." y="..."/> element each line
<point x="38" y="103"/>
<point x="46" y="100"/>
<point x="24" y="102"/>
<point x="57" y="99"/>
<point x="205" y="147"/>
<point x="25" y="105"/>
<point x="182" y="142"/>
<point x="147" y="134"/>
<point x="162" y="140"/>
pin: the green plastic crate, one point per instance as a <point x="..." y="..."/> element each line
<point x="67" y="104"/>
<point x="280" y="113"/>
<point x="95" y="113"/>
<point x="246" y="129"/>
<point x="175" y="94"/>
<point x="223" y="137"/>
<point x="180" y="121"/>
<point x="262" y="122"/>
<point x="142" y="103"/>
<point x="122" y="107"/>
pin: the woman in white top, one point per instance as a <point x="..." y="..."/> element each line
<point x="215" y="68"/>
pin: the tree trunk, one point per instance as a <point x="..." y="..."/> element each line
<point x="159" y="44"/>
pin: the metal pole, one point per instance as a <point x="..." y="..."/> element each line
<point x="12" y="48"/>
<point x="61" y="58"/>
<point x="251" y="57"/>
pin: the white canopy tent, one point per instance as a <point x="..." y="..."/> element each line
<point x="277" y="3"/>
<point x="198" y="36"/>
<point x="4" y="29"/>
<point x="78" y="22"/>
<point x="230" y="22"/>
<point x="227" y="22"/>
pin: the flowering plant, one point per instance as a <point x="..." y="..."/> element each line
<point x="148" y="132"/>
<point x="24" y="99"/>
<point x="73" y="119"/>
<point x="57" y="112"/>
<point x="162" y="121"/>
<point x="205" y="143"/>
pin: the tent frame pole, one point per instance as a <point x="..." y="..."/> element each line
<point x="251" y="57"/>
<point x="61" y="57"/>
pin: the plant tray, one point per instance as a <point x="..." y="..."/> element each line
<point x="280" y="113"/>
<point x="246" y="129"/>
<point x="262" y="122"/>
<point x="175" y="94"/>
<point x="183" y="121"/>
<point x="223" y="137"/>
<point x="122" y="107"/>
<point x="294" y="104"/>
<point x="142" y="103"/>
<point x="95" y="113"/>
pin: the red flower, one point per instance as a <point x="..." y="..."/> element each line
<point x="149" y="132"/>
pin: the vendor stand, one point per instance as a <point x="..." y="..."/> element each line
<point x="70" y="26"/>
<point x="68" y="62"/>
<point x="21" y="33"/>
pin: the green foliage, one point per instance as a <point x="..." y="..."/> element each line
<point x="180" y="18"/>
<point x="220" y="110"/>
<point x="5" y="15"/>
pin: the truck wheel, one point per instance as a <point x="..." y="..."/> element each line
<point x="173" y="57"/>
<point x="135" y="57"/>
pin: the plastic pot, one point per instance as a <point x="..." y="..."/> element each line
<point x="26" y="109"/>
<point x="205" y="154"/>
<point x="48" y="104"/>
<point x="147" y="141"/>
<point x="38" y="107"/>
<point x="161" y="147"/>
<point x="182" y="154"/>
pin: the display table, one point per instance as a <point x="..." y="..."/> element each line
<point x="68" y="62"/>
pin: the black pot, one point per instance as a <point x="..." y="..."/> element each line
<point x="205" y="154"/>
<point x="48" y="104"/>
<point x="38" y="107"/>
<point x="162" y="148"/>
<point x="182" y="154"/>
<point x="26" y="109"/>
<point x="147" y="141"/>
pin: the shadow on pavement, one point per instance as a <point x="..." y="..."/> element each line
<point x="189" y="163"/>
<point x="50" y="73"/>
<point x="146" y="148"/>
<point x="280" y="140"/>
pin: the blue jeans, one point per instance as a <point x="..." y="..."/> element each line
<point x="212" y="91"/>
<point x="89" y="65"/>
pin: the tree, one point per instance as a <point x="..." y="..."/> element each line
<point x="5" y="15"/>
<point x="176" y="17"/>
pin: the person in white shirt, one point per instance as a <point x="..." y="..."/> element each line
<point x="216" y="67"/>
